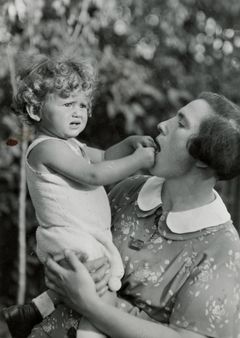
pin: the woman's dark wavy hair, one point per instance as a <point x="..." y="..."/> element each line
<point x="39" y="75"/>
<point x="218" y="141"/>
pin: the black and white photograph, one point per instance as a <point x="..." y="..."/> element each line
<point x="119" y="169"/>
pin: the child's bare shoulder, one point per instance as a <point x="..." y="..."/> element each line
<point x="48" y="149"/>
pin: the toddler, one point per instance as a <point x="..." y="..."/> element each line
<point x="65" y="177"/>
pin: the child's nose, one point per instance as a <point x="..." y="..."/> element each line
<point x="76" y="112"/>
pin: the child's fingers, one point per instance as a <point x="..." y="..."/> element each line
<point x="139" y="145"/>
<point x="150" y="142"/>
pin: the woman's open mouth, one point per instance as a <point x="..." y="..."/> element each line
<point x="158" y="147"/>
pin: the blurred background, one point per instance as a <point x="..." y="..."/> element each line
<point x="151" y="56"/>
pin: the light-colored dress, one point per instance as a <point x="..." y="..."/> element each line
<point x="181" y="269"/>
<point x="71" y="215"/>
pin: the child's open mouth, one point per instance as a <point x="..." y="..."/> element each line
<point x="75" y="124"/>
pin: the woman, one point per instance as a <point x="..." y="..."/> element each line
<point x="179" y="247"/>
<point x="182" y="269"/>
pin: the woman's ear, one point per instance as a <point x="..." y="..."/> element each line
<point x="201" y="165"/>
<point x="35" y="116"/>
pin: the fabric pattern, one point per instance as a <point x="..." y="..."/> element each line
<point x="190" y="280"/>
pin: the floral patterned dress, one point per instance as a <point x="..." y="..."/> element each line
<point x="188" y="280"/>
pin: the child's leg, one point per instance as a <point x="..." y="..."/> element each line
<point x="87" y="329"/>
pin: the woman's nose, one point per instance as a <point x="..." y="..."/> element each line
<point x="162" y="128"/>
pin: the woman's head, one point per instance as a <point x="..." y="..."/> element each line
<point x="43" y="76"/>
<point x="173" y="160"/>
<point x="218" y="142"/>
<point x="204" y="134"/>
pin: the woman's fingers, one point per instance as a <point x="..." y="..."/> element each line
<point x="103" y="283"/>
<point x="54" y="268"/>
<point x="54" y="287"/>
<point x="102" y="291"/>
<point x="72" y="259"/>
<point x="82" y="256"/>
<point x="100" y="273"/>
<point x="96" y="264"/>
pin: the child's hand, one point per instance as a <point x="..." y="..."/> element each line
<point x="144" y="141"/>
<point x="146" y="156"/>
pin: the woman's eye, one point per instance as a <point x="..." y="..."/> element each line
<point x="181" y="124"/>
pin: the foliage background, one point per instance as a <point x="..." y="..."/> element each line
<point x="151" y="57"/>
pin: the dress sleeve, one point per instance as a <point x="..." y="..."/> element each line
<point x="209" y="302"/>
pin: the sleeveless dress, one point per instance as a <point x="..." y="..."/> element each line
<point x="71" y="215"/>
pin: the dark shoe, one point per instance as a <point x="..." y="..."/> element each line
<point x="72" y="333"/>
<point x="21" y="319"/>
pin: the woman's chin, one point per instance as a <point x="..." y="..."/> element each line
<point x="153" y="171"/>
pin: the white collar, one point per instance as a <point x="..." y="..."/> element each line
<point x="212" y="214"/>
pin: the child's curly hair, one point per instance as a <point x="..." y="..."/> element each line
<point x="42" y="75"/>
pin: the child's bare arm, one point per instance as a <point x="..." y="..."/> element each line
<point x="128" y="146"/>
<point x="96" y="155"/>
<point x="57" y="156"/>
<point x="119" y="150"/>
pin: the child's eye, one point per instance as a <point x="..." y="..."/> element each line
<point x="68" y="104"/>
<point x="83" y="105"/>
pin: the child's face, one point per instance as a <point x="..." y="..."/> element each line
<point x="64" y="117"/>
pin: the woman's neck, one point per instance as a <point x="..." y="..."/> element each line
<point x="187" y="193"/>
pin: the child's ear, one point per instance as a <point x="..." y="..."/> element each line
<point x="35" y="116"/>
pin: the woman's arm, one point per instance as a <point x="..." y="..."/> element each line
<point x="78" y="290"/>
<point x="118" y="324"/>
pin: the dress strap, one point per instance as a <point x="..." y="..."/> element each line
<point x="36" y="142"/>
<point x="82" y="146"/>
<point x="72" y="143"/>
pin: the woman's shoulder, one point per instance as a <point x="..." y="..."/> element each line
<point x="227" y="235"/>
<point x="127" y="189"/>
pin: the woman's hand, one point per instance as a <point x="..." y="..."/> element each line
<point x="99" y="270"/>
<point x="75" y="285"/>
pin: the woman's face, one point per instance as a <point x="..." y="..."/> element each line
<point x="173" y="160"/>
